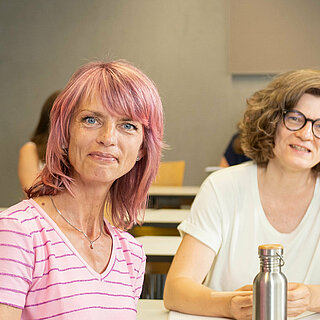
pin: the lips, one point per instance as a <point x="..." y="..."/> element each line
<point x="103" y="156"/>
<point x="300" y="148"/>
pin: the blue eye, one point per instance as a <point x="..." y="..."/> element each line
<point x="129" y="126"/>
<point x="90" y="120"/>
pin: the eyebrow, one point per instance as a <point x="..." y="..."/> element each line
<point x="99" y="114"/>
<point x="128" y="119"/>
<point x="96" y="113"/>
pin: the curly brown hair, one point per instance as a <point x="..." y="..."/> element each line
<point x="265" y="111"/>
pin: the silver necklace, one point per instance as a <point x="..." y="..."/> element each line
<point x="65" y="219"/>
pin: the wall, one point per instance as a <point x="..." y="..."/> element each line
<point x="180" y="44"/>
<point x="271" y="36"/>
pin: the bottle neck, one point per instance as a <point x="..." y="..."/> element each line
<point x="270" y="264"/>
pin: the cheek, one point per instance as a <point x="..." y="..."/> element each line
<point x="133" y="151"/>
<point x="277" y="139"/>
<point x="280" y="136"/>
<point x="75" y="147"/>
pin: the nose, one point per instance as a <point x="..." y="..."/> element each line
<point x="306" y="132"/>
<point x="107" y="134"/>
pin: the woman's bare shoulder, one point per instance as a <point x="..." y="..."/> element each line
<point x="29" y="149"/>
<point x="29" y="146"/>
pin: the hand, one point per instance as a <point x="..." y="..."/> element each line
<point x="248" y="287"/>
<point x="241" y="303"/>
<point x="298" y="299"/>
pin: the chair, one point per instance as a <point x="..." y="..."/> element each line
<point x="170" y="173"/>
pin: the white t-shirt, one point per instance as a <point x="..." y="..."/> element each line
<point x="227" y="216"/>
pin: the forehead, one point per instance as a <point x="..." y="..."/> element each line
<point x="95" y="104"/>
<point x="309" y="105"/>
<point x="91" y="103"/>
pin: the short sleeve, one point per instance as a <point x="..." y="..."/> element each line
<point x="140" y="277"/>
<point x="16" y="261"/>
<point x="205" y="220"/>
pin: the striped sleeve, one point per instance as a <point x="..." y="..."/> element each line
<point x="140" y="276"/>
<point x="135" y="258"/>
<point x="16" y="261"/>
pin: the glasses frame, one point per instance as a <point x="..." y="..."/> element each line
<point x="305" y="121"/>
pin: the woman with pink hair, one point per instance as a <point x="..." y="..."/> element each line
<point x="60" y="259"/>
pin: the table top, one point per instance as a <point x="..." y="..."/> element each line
<point x="174" y="191"/>
<point x="160" y="245"/>
<point x="155" y="310"/>
<point x="212" y="168"/>
<point x="151" y="310"/>
<point x="173" y="216"/>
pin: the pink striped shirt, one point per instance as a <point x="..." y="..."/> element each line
<point x="42" y="273"/>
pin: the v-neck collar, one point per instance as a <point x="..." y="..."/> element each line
<point x="64" y="238"/>
<point x="256" y="192"/>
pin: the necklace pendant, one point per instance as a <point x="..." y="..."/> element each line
<point x="72" y="225"/>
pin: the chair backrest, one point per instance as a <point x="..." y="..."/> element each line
<point x="170" y="173"/>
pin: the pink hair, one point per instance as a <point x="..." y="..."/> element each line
<point x="125" y="91"/>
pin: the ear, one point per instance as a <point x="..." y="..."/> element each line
<point x="141" y="154"/>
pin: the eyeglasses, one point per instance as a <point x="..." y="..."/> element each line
<point x="294" y="120"/>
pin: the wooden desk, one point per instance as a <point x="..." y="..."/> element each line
<point x="183" y="191"/>
<point x="160" y="251"/>
<point x="160" y="248"/>
<point x="160" y="222"/>
<point x="165" y="218"/>
<point x="171" y="196"/>
<point x="212" y="169"/>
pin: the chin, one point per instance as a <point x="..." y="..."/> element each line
<point x="92" y="179"/>
<point x="301" y="166"/>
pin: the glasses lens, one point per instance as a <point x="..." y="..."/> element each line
<point x="294" y="120"/>
<point x="316" y="128"/>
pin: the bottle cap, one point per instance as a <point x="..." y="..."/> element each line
<point x="271" y="246"/>
<point x="270" y="249"/>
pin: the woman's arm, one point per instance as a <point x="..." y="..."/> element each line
<point x="184" y="291"/>
<point x="28" y="165"/>
<point x="302" y="297"/>
<point x="314" y="297"/>
<point x="9" y="313"/>
<point x="223" y="162"/>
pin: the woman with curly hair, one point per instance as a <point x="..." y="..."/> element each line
<point x="59" y="257"/>
<point x="273" y="199"/>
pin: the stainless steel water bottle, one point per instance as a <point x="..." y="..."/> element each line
<point x="270" y="285"/>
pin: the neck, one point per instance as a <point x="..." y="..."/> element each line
<point x="281" y="179"/>
<point x="84" y="209"/>
<point x="91" y="241"/>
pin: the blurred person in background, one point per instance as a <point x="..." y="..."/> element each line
<point x="32" y="154"/>
<point x="233" y="154"/>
